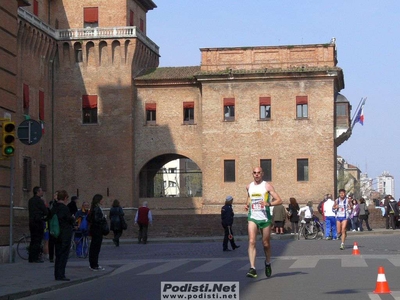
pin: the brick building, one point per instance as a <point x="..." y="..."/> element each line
<point x="112" y="118"/>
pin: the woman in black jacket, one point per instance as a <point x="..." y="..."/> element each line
<point x="63" y="241"/>
<point x="97" y="220"/>
<point x="116" y="215"/>
<point x="227" y="221"/>
<point x="293" y="215"/>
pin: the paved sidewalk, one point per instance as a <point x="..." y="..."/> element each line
<point x="22" y="279"/>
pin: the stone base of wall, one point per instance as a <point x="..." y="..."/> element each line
<point x="181" y="225"/>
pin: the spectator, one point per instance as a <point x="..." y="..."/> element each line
<point x="116" y="219"/>
<point x="37" y="215"/>
<point x="82" y="228"/>
<point x="330" y="219"/>
<point x="97" y="219"/>
<point x="63" y="241"/>
<point x="293" y="215"/>
<point x="308" y="212"/>
<point x="143" y="218"/>
<point x="73" y="208"/>
<point x="364" y="214"/>
<point x="355" y="211"/>
<point x="393" y="212"/>
<point x="278" y="217"/>
<point x="227" y="222"/>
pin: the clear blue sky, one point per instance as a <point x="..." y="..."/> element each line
<point x="368" y="43"/>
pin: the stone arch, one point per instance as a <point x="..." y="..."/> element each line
<point x="78" y="52"/>
<point x="116" y="52"/>
<point x="90" y="54"/>
<point x="103" y="53"/>
<point x="187" y="176"/>
<point x="66" y="54"/>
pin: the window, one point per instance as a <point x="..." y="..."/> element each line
<point x="90" y="17"/>
<point x="341" y="110"/>
<point x="151" y="113"/>
<point x="229" y="109"/>
<point x="141" y="26"/>
<point x="302" y="107"/>
<point x="26" y="99"/>
<point x="43" y="177"/>
<point x="131" y="18"/>
<point x="229" y="171"/>
<point x="41" y="105"/>
<point x="266" y="165"/>
<point x="27" y="174"/>
<point x="188" y="112"/>
<point x="302" y="169"/>
<point x="265" y="108"/>
<point x="89" y="109"/>
<point x="36" y="8"/>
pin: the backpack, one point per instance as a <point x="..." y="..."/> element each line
<point x="84" y="225"/>
<point x="320" y="205"/>
<point x="54" y="226"/>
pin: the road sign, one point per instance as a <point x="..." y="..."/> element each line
<point x="29" y="132"/>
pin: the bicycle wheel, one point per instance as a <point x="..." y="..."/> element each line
<point x="85" y="247"/>
<point x="72" y="248"/>
<point x="23" y="247"/>
<point x="299" y="232"/>
<point x="311" y="231"/>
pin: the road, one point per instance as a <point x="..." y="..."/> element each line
<point x="314" y="269"/>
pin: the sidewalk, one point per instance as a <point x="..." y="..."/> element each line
<point x="23" y="279"/>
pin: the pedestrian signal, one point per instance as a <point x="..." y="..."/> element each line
<point x="8" y="145"/>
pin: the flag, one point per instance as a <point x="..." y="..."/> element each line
<point x="360" y="114"/>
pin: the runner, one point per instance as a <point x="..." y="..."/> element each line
<point x="259" y="217"/>
<point x="342" y="207"/>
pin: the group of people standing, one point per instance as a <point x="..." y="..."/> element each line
<point x="70" y="219"/>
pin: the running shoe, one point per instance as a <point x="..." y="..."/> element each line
<point x="268" y="270"/>
<point x="341" y="246"/>
<point x="252" y="273"/>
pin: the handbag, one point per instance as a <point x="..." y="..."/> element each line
<point x="105" y="228"/>
<point x="124" y="225"/>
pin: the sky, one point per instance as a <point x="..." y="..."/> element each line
<point x="368" y="49"/>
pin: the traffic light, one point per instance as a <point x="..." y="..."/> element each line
<point x="8" y="145"/>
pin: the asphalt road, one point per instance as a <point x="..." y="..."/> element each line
<point x="303" y="269"/>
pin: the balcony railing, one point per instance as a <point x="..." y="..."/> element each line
<point x="88" y="33"/>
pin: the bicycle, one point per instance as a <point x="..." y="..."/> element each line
<point x="23" y="247"/>
<point x="81" y="251"/>
<point x="307" y="230"/>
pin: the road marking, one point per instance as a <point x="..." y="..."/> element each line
<point x="211" y="265"/>
<point x="305" y="262"/>
<point x="352" y="262"/>
<point x="395" y="261"/>
<point x="128" y="267"/>
<point x="164" y="267"/>
<point x="396" y="295"/>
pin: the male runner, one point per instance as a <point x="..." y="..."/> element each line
<point x="259" y="217"/>
<point x="342" y="207"/>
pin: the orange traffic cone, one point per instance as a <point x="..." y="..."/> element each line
<point x="382" y="287"/>
<point x="355" y="249"/>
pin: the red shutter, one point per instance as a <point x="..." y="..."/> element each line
<point x="301" y="100"/>
<point x="41" y="105"/>
<point x="89" y="101"/>
<point x="26" y="96"/>
<point x="91" y="14"/>
<point x="35" y="8"/>
<point x="151" y="106"/>
<point x="188" y="104"/>
<point x="229" y="101"/>
<point x="141" y="25"/>
<point x="131" y="18"/>
<point x="265" y="100"/>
